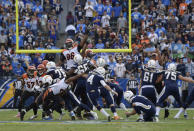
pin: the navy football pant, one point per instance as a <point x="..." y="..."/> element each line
<point x="149" y="92"/>
<point x="167" y="91"/>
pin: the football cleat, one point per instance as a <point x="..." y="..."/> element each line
<point x="185" y="116"/>
<point x="166" y="113"/>
<point x="22" y="115"/>
<point x="109" y="119"/>
<point x="47" y="118"/>
<point x="61" y="116"/>
<point x="72" y="115"/>
<point x="156" y="119"/>
<point x="140" y="120"/>
<point x="94" y="114"/>
<point x="33" y="117"/>
<point x="176" y="117"/>
<point x="18" y="115"/>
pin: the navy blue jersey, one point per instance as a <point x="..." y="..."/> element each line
<point x="142" y="104"/>
<point x="108" y="74"/>
<point x="85" y="67"/>
<point x="170" y="78"/>
<point x="56" y="74"/>
<point x="149" y="77"/>
<point x="93" y="82"/>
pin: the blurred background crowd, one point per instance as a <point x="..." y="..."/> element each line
<point x="160" y="28"/>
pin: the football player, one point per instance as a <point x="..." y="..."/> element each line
<point x="71" y="50"/>
<point x="149" y="77"/>
<point x="41" y="72"/>
<point x="56" y="73"/>
<point x="17" y="92"/>
<point x="82" y="66"/>
<point x="140" y="104"/>
<point x="171" y="88"/>
<point x="46" y="81"/>
<point x="29" y="81"/>
<point x="95" y="81"/>
<point x="63" y="87"/>
<point x="115" y="86"/>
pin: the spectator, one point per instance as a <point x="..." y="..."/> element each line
<point x="108" y="8"/>
<point x="117" y="10"/>
<point x="182" y="8"/>
<point x="153" y="37"/>
<point x="70" y="19"/>
<point x="181" y="67"/>
<point x="136" y="17"/>
<point x="99" y="8"/>
<point x="190" y="67"/>
<point x="18" y="70"/>
<point x="105" y="20"/>
<point x="100" y="45"/>
<point x="7" y="68"/>
<point x="58" y="7"/>
<point x="3" y="38"/>
<point x="89" y="11"/>
<point x="121" y="22"/>
<point x="120" y="69"/>
<point x="129" y="67"/>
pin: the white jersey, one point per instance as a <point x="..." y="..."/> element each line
<point x="69" y="55"/>
<point x="29" y="83"/>
<point x="58" y="87"/>
<point x="18" y="84"/>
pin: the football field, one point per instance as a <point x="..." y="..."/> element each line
<point x="10" y="123"/>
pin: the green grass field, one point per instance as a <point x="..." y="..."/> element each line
<point x="9" y="123"/>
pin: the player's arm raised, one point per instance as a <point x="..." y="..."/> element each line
<point x="83" y="41"/>
<point x="186" y="79"/>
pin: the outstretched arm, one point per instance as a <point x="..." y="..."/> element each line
<point x="186" y="79"/>
<point x="103" y="83"/>
<point x="133" y="112"/>
<point x="83" y="41"/>
<point x="73" y="78"/>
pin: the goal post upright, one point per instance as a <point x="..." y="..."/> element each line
<point x="20" y="51"/>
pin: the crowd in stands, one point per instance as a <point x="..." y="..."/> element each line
<point x="164" y="27"/>
<point x="38" y="29"/>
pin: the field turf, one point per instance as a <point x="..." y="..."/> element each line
<point x="10" y="123"/>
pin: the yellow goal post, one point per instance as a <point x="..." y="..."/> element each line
<point x="20" y="51"/>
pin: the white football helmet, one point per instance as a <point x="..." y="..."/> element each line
<point x="78" y="59"/>
<point x="50" y="65"/>
<point x="151" y="64"/>
<point x="172" y="67"/>
<point x="100" y="62"/>
<point x="47" y="79"/>
<point x="128" y="95"/>
<point x="101" y="71"/>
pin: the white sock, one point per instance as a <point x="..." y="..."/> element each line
<point x="123" y="106"/>
<point x="141" y="116"/>
<point x="104" y="112"/>
<point x="24" y="110"/>
<point x="157" y="111"/>
<point x="72" y="113"/>
<point x="179" y="113"/>
<point x="115" y="114"/>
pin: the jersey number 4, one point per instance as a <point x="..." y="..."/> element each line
<point x="90" y="79"/>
